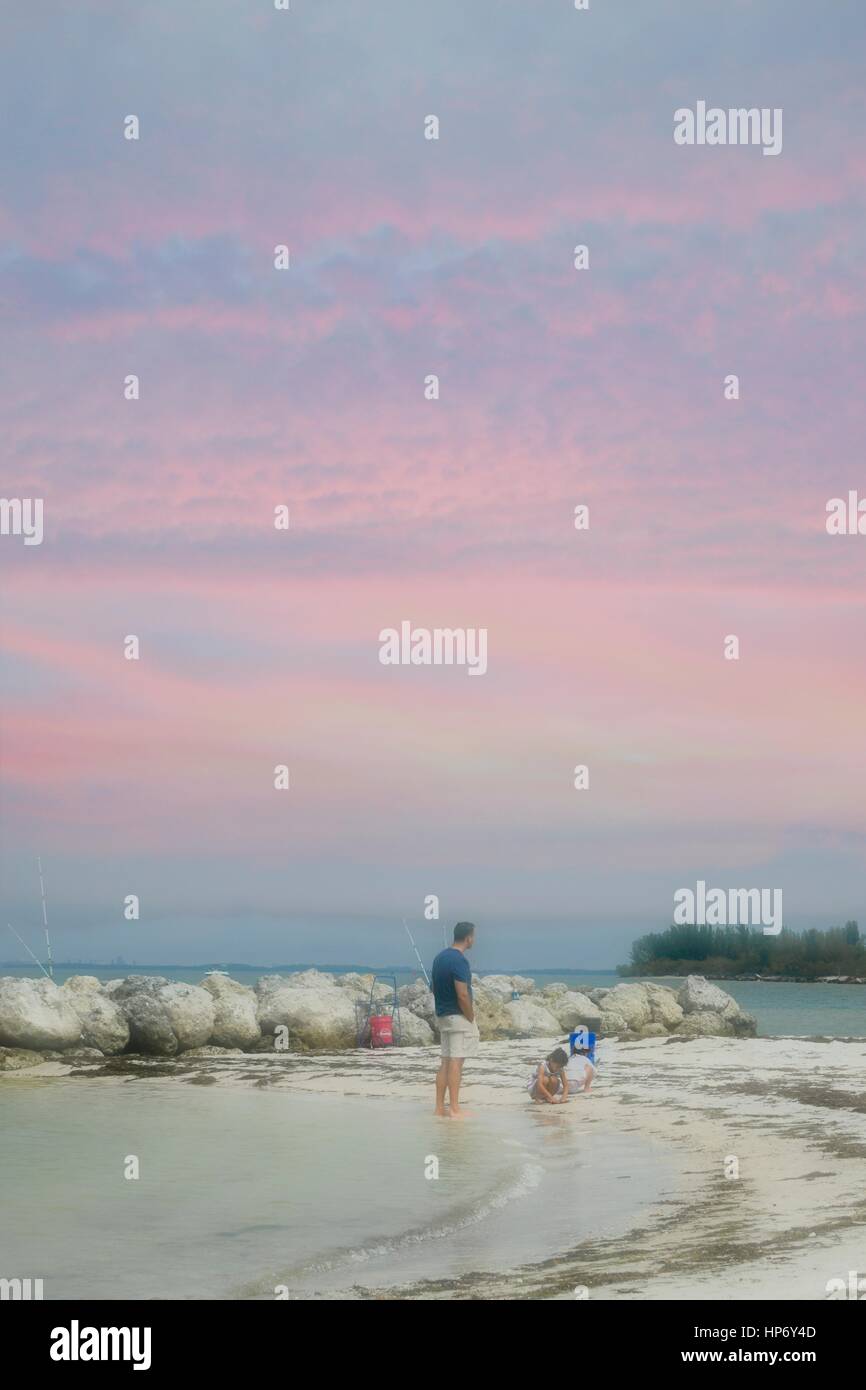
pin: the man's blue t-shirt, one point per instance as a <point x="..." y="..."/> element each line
<point x="449" y="965"/>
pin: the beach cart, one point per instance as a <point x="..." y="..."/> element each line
<point x="379" y="1018"/>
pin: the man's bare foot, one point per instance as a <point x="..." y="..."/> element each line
<point x="459" y="1114"/>
<point x="441" y="1112"/>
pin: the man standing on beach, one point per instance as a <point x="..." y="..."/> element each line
<point x="455" y="1015"/>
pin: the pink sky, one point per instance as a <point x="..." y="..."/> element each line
<point x="558" y="387"/>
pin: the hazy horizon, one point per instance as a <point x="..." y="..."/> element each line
<point x="511" y="947"/>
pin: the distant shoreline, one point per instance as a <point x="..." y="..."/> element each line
<point x="144" y="968"/>
<point x="140" y="967"/>
<point x="761" y="979"/>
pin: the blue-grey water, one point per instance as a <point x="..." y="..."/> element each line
<point x="781" y="1009"/>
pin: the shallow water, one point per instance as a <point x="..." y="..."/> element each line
<point x="241" y="1191"/>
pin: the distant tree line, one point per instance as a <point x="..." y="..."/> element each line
<point x="726" y="951"/>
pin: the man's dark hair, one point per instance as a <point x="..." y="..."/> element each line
<point x="559" y="1056"/>
<point x="464" y="930"/>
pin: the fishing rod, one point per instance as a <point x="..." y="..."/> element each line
<point x="417" y="957"/>
<point x="45" y="921"/>
<point x="29" y="952"/>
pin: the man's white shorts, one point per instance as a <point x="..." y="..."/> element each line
<point x="458" y="1036"/>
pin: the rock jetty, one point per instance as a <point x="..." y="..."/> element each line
<point x="313" y="1010"/>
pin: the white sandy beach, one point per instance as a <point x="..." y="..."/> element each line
<point x="791" y="1112"/>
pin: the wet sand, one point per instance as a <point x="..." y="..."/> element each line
<point x="768" y="1134"/>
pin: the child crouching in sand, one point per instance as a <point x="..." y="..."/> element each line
<point x="549" y="1082"/>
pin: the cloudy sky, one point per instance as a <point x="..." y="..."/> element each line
<point x="305" y="387"/>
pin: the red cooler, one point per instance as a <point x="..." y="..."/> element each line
<point x="381" y="1031"/>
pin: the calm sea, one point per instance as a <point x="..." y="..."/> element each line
<point x="242" y="1191"/>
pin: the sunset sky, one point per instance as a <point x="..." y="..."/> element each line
<point x="306" y="388"/>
